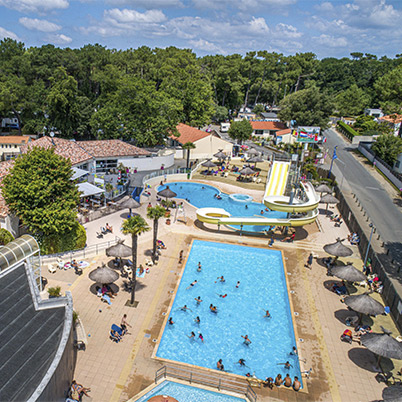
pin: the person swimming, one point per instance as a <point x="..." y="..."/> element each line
<point x="197" y="320"/>
<point x="223" y="296"/>
<point x="171" y="322"/>
<point x="267" y="314"/>
<point x="200" y="337"/>
<point x="213" y="309"/>
<point x="294" y="351"/>
<point x="184" y="308"/>
<point x="198" y="299"/>
<point x="199" y="267"/>
<point x="221" y="279"/>
<point x="246" y="340"/>
<point x="237" y="284"/>
<point x="192" y="336"/>
<point x="219" y="364"/>
<point x="242" y="362"/>
<point x="192" y="284"/>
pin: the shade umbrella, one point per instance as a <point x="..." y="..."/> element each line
<point x="252" y="151"/>
<point x="323" y="188"/>
<point x="103" y="274"/>
<point x="392" y="393"/>
<point x="329" y="199"/>
<point x="130" y="203"/>
<point x="337" y="249"/>
<point x="348" y="273"/>
<point x="220" y="155"/>
<point x="383" y="345"/>
<point x="246" y="171"/>
<point x="167" y="193"/>
<point x="119" y="250"/>
<point x="209" y="164"/>
<point x="364" y="304"/>
<point x="255" y="159"/>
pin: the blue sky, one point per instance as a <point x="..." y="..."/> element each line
<point x="327" y="28"/>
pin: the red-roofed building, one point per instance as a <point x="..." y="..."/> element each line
<point x="206" y="144"/>
<point x="394" y="121"/>
<point x="285" y="137"/>
<point x="10" y="145"/>
<point x="266" y="129"/>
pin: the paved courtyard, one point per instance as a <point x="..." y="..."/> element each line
<point x="118" y="371"/>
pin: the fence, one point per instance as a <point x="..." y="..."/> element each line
<point x="387" y="170"/>
<point x="82" y="253"/>
<point x="237" y="386"/>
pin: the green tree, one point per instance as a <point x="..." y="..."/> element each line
<point x="134" y="226"/>
<point x="387" y="147"/>
<point x="389" y="91"/>
<point x="5" y="237"/>
<point x="240" y="130"/>
<point x="155" y="213"/>
<point x="39" y="190"/>
<point x="352" y="101"/>
<point x="309" y="107"/>
<point x="258" y="109"/>
<point x="188" y="146"/>
<point x="367" y="125"/>
<point x="221" y="113"/>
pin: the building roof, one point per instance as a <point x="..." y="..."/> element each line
<point x="111" y="148"/>
<point x="283" y="132"/>
<point x="29" y="337"/>
<point x="269" y="115"/>
<point x="15" y="139"/>
<point x="87" y="189"/>
<point x="81" y="151"/>
<point x="267" y="125"/>
<point x="189" y="134"/>
<point x="392" y="118"/>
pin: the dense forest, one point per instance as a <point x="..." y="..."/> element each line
<point x="141" y="94"/>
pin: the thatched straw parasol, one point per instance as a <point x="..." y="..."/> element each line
<point x="329" y="199"/>
<point x="364" y="304"/>
<point x="130" y="203"/>
<point x="167" y="193"/>
<point x="119" y="250"/>
<point x="255" y="159"/>
<point x="103" y="274"/>
<point x="209" y="164"/>
<point x="220" y="155"/>
<point x="252" y="151"/>
<point x="337" y="249"/>
<point x="246" y="171"/>
<point x="348" y="273"/>
<point x="323" y="188"/>
<point x="383" y="345"/>
<point x="392" y="393"/>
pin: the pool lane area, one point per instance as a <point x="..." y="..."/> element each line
<point x="241" y="311"/>
<point x="186" y="393"/>
<point x="203" y="196"/>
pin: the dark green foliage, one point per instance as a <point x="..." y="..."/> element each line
<point x="240" y="130"/>
<point x="5" y="237"/>
<point x="387" y="147"/>
<point x="347" y="129"/>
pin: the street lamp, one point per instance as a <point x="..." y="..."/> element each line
<point x="369" y="244"/>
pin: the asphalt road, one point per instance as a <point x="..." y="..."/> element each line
<point x="354" y="177"/>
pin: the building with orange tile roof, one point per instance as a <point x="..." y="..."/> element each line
<point x="285" y="136"/>
<point x="206" y="144"/>
<point x="395" y="122"/>
<point x="266" y="129"/>
<point x="10" y="145"/>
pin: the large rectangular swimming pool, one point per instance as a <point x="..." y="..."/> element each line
<point x="262" y="287"/>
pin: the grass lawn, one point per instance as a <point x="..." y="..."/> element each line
<point x="231" y="179"/>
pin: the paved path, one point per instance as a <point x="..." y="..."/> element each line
<point x="355" y="177"/>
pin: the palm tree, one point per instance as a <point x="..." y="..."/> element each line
<point x="155" y="213"/>
<point x="134" y="226"/>
<point x="189" y="146"/>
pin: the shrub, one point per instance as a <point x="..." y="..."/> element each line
<point x="54" y="292"/>
<point x="5" y="237"/>
<point x="347" y="130"/>
<point x="72" y="240"/>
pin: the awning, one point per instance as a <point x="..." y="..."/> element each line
<point x="87" y="189"/>
<point x="77" y="172"/>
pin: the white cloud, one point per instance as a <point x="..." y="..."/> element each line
<point x="209" y="47"/>
<point x="331" y="41"/>
<point x="59" y="39"/>
<point x="28" y="6"/>
<point x="258" y="26"/>
<point x="7" y="34"/>
<point x="127" y="16"/>
<point x="286" y="31"/>
<point x="148" y="4"/>
<point x="39" y="25"/>
<point x="325" y="7"/>
<point x="244" y="5"/>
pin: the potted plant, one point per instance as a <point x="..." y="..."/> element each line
<point x="54" y="292"/>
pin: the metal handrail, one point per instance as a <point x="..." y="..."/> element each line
<point x="199" y="377"/>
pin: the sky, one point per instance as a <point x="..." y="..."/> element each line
<point x="331" y="28"/>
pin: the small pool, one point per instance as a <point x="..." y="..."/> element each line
<point x="262" y="287"/>
<point x="203" y="195"/>
<point x="186" y="393"/>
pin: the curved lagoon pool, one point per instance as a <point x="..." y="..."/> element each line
<point x="203" y="196"/>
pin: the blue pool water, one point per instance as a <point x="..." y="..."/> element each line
<point x="185" y="393"/>
<point x="262" y="287"/>
<point x="202" y="195"/>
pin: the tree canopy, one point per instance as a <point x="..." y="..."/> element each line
<point x="39" y="190"/>
<point x="387" y="147"/>
<point x="240" y="130"/>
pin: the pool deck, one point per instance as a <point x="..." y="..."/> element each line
<point x="117" y="372"/>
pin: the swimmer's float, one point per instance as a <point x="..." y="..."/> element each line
<point x="274" y="200"/>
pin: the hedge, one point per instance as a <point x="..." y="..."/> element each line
<point x="5" y="237"/>
<point x="347" y="130"/>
